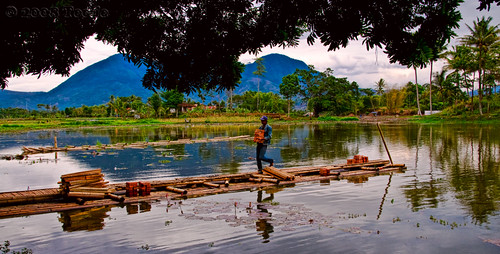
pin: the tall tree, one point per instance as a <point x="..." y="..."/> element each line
<point x="379" y="86"/>
<point x="419" y="59"/>
<point x="483" y="37"/>
<point x="461" y="60"/>
<point x="436" y="54"/>
<point x="290" y="88"/>
<point x="171" y="99"/>
<point x="259" y="71"/>
<point x="155" y="102"/>
<point x="311" y="79"/>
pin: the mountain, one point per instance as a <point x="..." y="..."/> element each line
<point x="277" y="66"/>
<point x="116" y="76"/>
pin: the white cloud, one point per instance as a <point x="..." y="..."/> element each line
<point x="93" y="52"/>
<point x="354" y="62"/>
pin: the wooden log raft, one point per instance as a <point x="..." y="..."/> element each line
<point x="43" y="201"/>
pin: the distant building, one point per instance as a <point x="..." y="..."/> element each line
<point x="428" y="112"/>
<point x="185" y="107"/>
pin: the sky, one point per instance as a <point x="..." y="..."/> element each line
<point x="354" y="62"/>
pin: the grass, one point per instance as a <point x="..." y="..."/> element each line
<point x="337" y="118"/>
<point x="469" y="117"/>
<point x="16" y="125"/>
<point x="13" y="125"/>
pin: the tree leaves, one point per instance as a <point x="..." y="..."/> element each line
<point x="193" y="44"/>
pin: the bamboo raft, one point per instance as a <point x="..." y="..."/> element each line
<point x="92" y="191"/>
<point x="136" y="145"/>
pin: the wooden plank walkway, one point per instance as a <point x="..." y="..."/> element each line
<point x="50" y="200"/>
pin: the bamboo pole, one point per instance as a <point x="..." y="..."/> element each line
<point x="257" y="180"/>
<point x="271" y="180"/>
<point x="177" y="190"/>
<point x="86" y="195"/>
<point x="212" y="185"/>
<point x="385" y="145"/>
<point x="80" y="201"/>
<point x="115" y="197"/>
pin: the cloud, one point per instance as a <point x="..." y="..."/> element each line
<point x="93" y="52"/>
<point x="354" y="62"/>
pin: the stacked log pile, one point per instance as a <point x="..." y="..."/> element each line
<point x="85" y="185"/>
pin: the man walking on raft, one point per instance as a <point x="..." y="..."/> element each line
<point x="263" y="137"/>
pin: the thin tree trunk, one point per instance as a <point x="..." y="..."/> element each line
<point x="258" y="91"/>
<point x="480" y="91"/>
<point x="288" y="108"/>
<point x="416" y="87"/>
<point x="472" y="93"/>
<point x="430" y="89"/>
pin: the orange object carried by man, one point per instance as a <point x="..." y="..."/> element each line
<point x="259" y="136"/>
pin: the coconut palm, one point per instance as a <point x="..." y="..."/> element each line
<point x="483" y="39"/>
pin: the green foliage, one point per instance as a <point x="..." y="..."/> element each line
<point x="395" y="99"/>
<point x="269" y="102"/>
<point x="290" y="88"/>
<point x="171" y="98"/>
<point x="5" y="249"/>
<point x="379" y="86"/>
<point x="324" y="92"/>
<point x="155" y="103"/>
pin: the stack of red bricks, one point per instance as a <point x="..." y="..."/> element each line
<point x="132" y="189"/>
<point x="358" y="159"/>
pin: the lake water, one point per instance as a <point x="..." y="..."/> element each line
<point x="447" y="201"/>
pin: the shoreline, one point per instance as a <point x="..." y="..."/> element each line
<point x="22" y="125"/>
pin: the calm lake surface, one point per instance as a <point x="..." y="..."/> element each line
<point x="447" y="201"/>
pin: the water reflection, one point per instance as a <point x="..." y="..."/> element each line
<point x="463" y="162"/>
<point x="446" y="162"/>
<point x="263" y="226"/>
<point x="89" y="219"/>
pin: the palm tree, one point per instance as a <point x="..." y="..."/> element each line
<point x="483" y="39"/>
<point x="379" y="86"/>
<point x="261" y="69"/>
<point x="435" y="56"/>
<point x="462" y="60"/>
<point x="419" y="60"/>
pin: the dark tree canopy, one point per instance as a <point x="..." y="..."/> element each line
<point x="194" y="44"/>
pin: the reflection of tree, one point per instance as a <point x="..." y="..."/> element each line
<point x="89" y="219"/>
<point x="424" y="194"/>
<point x="229" y="163"/>
<point x="468" y="160"/>
<point x="326" y="141"/>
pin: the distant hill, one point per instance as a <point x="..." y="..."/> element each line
<point x="277" y="66"/>
<point x="116" y="76"/>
